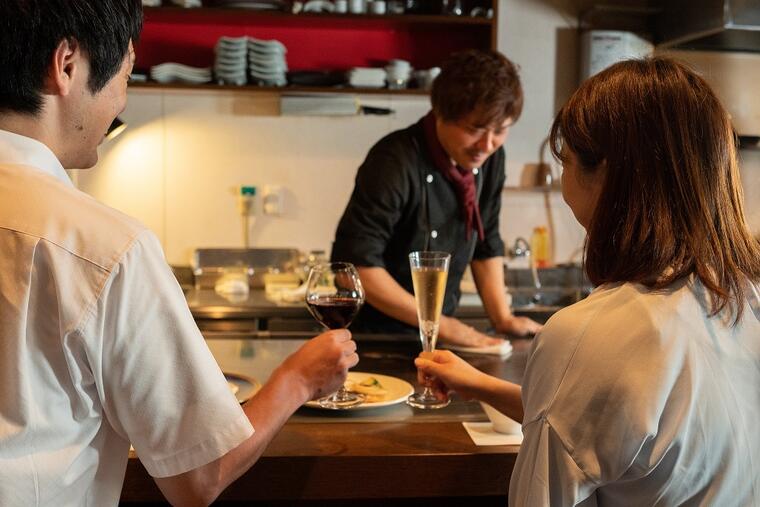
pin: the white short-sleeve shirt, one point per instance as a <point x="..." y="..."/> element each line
<point x="636" y="397"/>
<point x="97" y="347"/>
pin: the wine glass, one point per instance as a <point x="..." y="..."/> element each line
<point x="429" y="273"/>
<point x="334" y="295"/>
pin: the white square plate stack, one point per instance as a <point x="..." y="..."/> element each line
<point x="256" y="5"/>
<point x="176" y="72"/>
<point x="367" y="77"/>
<point x="187" y="3"/>
<point x="230" y="60"/>
<point x="266" y="62"/>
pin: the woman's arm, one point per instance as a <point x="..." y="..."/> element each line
<point x="451" y="373"/>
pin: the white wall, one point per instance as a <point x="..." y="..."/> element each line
<point x="177" y="164"/>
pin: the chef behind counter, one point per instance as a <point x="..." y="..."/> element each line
<point x="436" y="185"/>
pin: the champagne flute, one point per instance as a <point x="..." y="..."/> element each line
<point x="429" y="273"/>
<point x="334" y="295"/>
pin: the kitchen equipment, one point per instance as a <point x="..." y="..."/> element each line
<point x="734" y="77"/>
<point x="722" y="25"/>
<point x="602" y="48"/>
<point x="210" y="264"/>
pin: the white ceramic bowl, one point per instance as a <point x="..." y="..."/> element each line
<point x="500" y="422"/>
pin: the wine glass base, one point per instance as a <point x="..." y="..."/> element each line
<point x="340" y="401"/>
<point x="420" y="400"/>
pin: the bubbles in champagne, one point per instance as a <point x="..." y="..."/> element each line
<point x="429" y="289"/>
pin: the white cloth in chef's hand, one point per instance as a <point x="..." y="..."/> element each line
<point x="503" y="349"/>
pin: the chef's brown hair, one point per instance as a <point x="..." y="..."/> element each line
<point x="482" y="81"/>
<point x="671" y="203"/>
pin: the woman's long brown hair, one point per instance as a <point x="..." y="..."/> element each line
<point x="671" y="203"/>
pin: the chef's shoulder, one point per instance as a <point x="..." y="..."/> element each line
<point x="394" y="158"/>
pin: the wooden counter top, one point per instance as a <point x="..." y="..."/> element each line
<point x="319" y="457"/>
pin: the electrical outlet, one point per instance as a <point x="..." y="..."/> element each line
<point x="273" y="200"/>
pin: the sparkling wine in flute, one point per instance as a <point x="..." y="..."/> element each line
<point x="429" y="289"/>
<point x="429" y="273"/>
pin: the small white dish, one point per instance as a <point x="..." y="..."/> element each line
<point x="500" y="422"/>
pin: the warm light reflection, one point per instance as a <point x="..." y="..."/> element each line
<point x="129" y="175"/>
<point x="136" y="157"/>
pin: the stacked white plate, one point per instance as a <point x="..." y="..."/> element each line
<point x="176" y="72"/>
<point x="230" y="61"/>
<point x="266" y="62"/>
<point x="258" y="5"/>
<point x="367" y="77"/>
<point x="187" y="3"/>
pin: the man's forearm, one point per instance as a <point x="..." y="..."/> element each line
<point x="489" y="279"/>
<point x="385" y="294"/>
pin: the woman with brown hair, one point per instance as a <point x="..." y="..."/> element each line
<point x="648" y="391"/>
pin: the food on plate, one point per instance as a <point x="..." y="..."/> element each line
<point x="370" y="387"/>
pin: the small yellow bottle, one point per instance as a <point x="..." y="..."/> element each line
<point x="539" y="246"/>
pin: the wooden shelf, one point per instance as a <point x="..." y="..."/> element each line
<point x="274" y="89"/>
<point x="314" y="41"/>
<point x="244" y="16"/>
<point x="533" y="190"/>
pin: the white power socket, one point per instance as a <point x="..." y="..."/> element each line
<point x="273" y="200"/>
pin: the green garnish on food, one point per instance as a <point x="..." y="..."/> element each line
<point x="371" y="382"/>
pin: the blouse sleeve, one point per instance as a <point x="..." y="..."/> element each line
<point x="593" y="393"/>
<point x="545" y="472"/>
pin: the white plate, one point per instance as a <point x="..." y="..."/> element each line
<point x="247" y="386"/>
<point x="398" y="391"/>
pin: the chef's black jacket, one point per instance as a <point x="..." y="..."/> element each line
<point x="401" y="203"/>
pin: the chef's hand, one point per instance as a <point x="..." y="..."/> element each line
<point x="444" y="372"/>
<point x="456" y="332"/>
<point x="519" y="326"/>
<point x="320" y="366"/>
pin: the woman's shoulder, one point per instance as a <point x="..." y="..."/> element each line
<point x="620" y="330"/>
<point x="621" y="309"/>
<point x="599" y="370"/>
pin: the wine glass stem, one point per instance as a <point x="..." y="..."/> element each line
<point x="340" y="394"/>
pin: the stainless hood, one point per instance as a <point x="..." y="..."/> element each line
<point x="734" y="76"/>
<point x="712" y="25"/>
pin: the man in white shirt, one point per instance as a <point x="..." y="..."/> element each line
<point x="97" y="346"/>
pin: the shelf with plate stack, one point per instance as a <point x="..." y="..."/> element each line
<point x="254" y="88"/>
<point x="316" y="42"/>
<point x="534" y="189"/>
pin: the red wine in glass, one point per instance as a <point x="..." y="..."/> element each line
<point x="334" y="295"/>
<point x="334" y="312"/>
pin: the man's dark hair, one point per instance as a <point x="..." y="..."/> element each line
<point x="481" y="81"/>
<point x="31" y="30"/>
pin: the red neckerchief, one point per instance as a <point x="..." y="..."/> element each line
<point x="462" y="179"/>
